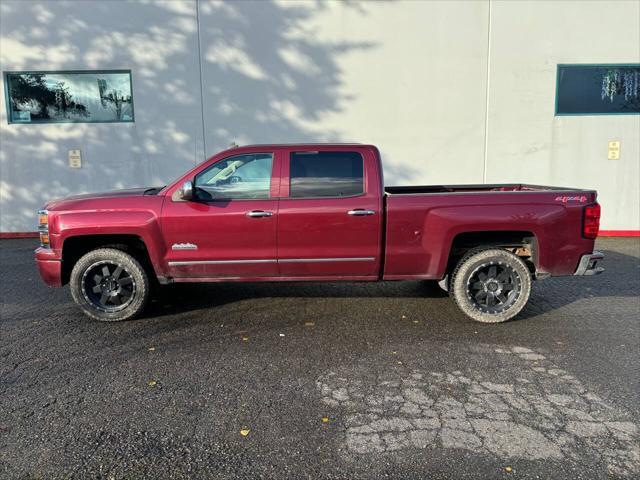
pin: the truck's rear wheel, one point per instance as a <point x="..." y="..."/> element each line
<point x="109" y="285"/>
<point x="491" y="285"/>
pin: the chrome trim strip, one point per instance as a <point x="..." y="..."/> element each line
<point x="219" y="262"/>
<point x="286" y="260"/>
<point x="314" y="260"/>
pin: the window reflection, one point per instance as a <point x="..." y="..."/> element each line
<point x="240" y="177"/>
<point x="326" y="174"/>
<point x="598" y="89"/>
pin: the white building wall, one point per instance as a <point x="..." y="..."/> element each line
<point x="526" y="142"/>
<point x="413" y="77"/>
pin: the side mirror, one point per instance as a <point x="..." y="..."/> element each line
<point x="186" y="192"/>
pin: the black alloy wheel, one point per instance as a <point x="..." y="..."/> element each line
<point x="108" y="286"/>
<point x="490" y="285"/>
<point x="494" y="287"/>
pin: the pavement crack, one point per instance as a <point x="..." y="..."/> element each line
<point x="543" y="414"/>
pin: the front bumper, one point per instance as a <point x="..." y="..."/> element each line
<point x="49" y="266"/>
<point x="588" y="264"/>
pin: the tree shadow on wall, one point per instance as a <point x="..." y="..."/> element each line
<point x="267" y="76"/>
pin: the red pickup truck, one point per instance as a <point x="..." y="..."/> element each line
<point x="315" y="212"/>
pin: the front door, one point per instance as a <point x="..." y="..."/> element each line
<point x="330" y="215"/>
<point x="229" y="229"/>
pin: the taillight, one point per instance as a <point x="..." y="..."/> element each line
<point x="591" y="221"/>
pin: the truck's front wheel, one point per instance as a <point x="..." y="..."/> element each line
<point x="109" y="285"/>
<point x="491" y="285"/>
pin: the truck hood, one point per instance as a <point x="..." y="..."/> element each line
<point x="76" y="201"/>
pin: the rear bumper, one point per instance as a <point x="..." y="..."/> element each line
<point x="588" y="264"/>
<point x="49" y="266"/>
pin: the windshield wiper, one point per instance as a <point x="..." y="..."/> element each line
<point x="153" y="190"/>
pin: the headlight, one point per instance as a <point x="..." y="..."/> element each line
<point x="43" y="228"/>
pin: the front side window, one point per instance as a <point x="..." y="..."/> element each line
<point x="326" y="174"/>
<point x="240" y="177"/>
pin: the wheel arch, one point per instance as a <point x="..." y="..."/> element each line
<point x="522" y="243"/>
<point x="74" y="247"/>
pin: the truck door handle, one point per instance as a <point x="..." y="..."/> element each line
<point x="361" y="212"/>
<point x="259" y="213"/>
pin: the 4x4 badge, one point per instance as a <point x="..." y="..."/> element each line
<point x="565" y="199"/>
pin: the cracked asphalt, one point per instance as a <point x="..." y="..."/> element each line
<point x="326" y="380"/>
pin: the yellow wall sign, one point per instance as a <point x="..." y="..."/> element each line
<point x="614" y="150"/>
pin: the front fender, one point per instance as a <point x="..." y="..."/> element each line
<point x="140" y="223"/>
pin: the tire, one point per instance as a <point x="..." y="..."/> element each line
<point x="109" y="285"/>
<point x="491" y="285"/>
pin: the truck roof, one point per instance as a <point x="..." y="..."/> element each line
<point x="303" y="145"/>
<point x="279" y="146"/>
<point x="287" y="145"/>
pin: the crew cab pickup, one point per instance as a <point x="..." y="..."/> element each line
<point x="315" y="212"/>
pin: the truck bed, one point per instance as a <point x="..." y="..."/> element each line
<point x="502" y="187"/>
<point x="424" y="222"/>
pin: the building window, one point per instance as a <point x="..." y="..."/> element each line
<point x="326" y="174"/>
<point x="598" y="89"/>
<point x="69" y="97"/>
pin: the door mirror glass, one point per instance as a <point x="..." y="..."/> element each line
<point x="186" y="191"/>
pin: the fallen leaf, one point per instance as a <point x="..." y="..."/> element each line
<point x="244" y="432"/>
<point x="508" y="469"/>
<point x="152" y="383"/>
<point x="152" y="349"/>
<point x="394" y="353"/>
<point x="325" y="419"/>
<point x="245" y="339"/>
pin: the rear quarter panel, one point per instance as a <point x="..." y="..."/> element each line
<point x="421" y="228"/>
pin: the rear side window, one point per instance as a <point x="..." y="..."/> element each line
<point x="326" y="174"/>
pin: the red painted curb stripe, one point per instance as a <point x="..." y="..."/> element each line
<point x="19" y="234"/>
<point x="619" y="233"/>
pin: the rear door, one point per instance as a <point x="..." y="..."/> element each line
<point x="329" y="218"/>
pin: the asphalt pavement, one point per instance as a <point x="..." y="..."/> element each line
<point x="383" y="380"/>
